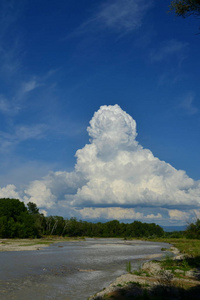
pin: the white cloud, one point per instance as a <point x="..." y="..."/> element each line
<point x="39" y="194"/>
<point x="154" y="217"/>
<point x="114" y="170"/>
<point x="114" y="175"/>
<point x="121" y="172"/>
<point x="196" y="213"/>
<point x="9" y="191"/>
<point x="44" y="212"/>
<point x="109" y="213"/>
<point x="176" y="214"/>
<point x="117" y="213"/>
<point x="57" y="186"/>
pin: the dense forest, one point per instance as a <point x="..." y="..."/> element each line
<point x="19" y="221"/>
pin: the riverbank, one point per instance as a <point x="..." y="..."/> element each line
<point x="177" y="276"/>
<point x="31" y="244"/>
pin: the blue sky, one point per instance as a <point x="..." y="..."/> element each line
<point x="60" y="61"/>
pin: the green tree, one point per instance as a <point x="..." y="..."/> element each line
<point x="112" y="228"/>
<point x="11" y="208"/>
<point x="3" y="227"/>
<point x="186" y="8"/>
<point x="193" y="230"/>
<point x="32" y="208"/>
<point x="16" y="221"/>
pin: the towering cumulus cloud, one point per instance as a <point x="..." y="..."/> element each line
<point x="115" y="176"/>
<point x="120" y="172"/>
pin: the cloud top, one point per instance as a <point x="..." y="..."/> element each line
<point x="112" y="129"/>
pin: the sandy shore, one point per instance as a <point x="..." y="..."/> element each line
<point x="22" y="245"/>
<point x="33" y="244"/>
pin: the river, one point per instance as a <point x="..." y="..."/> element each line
<point x="70" y="270"/>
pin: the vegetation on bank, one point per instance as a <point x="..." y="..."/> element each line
<point x="171" y="278"/>
<point x="19" y="221"/>
<point x="187" y="246"/>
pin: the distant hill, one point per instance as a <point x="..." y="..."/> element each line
<point x="174" y="228"/>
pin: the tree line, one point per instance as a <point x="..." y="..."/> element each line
<point x="20" y="221"/>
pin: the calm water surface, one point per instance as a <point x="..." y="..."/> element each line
<point x="69" y="270"/>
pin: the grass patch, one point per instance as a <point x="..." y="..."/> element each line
<point x="189" y="247"/>
<point x="128" y="267"/>
<point x="141" y="272"/>
<point x="186" y="246"/>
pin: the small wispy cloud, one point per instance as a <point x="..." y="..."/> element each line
<point x="116" y="15"/>
<point x="7" y="107"/>
<point x="188" y="105"/>
<point x="11" y="107"/>
<point x="169" y="49"/>
<point x="20" y="134"/>
<point x="30" y="132"/>
<point x="29" y="86"/>
<point x="120" y="15"/>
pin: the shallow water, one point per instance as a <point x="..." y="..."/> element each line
<point x="69" y="270"/>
